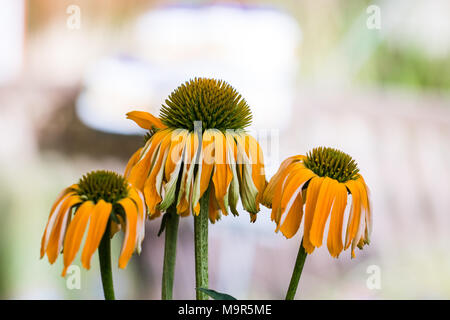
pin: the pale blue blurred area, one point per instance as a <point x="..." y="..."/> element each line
<point x="313" y="73"/>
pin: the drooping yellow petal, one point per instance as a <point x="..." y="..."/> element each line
<point x="131" y="236"/>
<point x="291" y="223"/>
<point x="145" y="120"/>
<point x="133" y="160"/>
<point x="362" y="235"/>
<point x="271" y="188"/>
<point x="213" y="206"/>
<point x="359" y="237"/>
<point x="291" y="199"/>
<point x="52" y="220"/>
<point x="154" y="181"/>
<point x="206" y="165"/>
<point x="75" y="233"/>
<point x="334" y="241"/>
<point x="190" y="159"/>
<point x="139" y="200"/>
<point x="173" y="167"/>
<point x="279" y="190"/>
<point x="355" y="213"/>
<point x="97" y="225"/>
<point x="233" y="195"/>
<point x="294" y="183"/>
<point x="182" y="202"/>
<point x="364" y="191"/>
<point x="57" y="235"/>
<point x="253" y="149"/>
<point x="142" y="168"/>
<point x="176" y="149"/>
<point x="248" y="190"/>
<point x="222" y="174"/>
<point x="321" y="213"/>
<point x="312" y="193"/>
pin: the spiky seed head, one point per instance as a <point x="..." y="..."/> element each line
<point x="106" y="185"/>
<point x="213" y="102"/>
<point x="332" y="163"/>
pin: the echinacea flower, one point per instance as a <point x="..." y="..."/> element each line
<point x="99" y="198"/>
<point x="199" y="142"/>
<point x="322" y="182"/>
<point x="198" y="159"/>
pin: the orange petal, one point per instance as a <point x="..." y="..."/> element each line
<point x="190" y="159"/>
<point x="51" y="218"/>
<point x="312" y="193"/>
<point x="233" y="191"/>
<point x="75" y="233"/>
<point x="152" y="187"/>
<point x="222" y="175"/>
<point x="321" y="213"/>
<point x="97" y="226"/>
<point x="57" y="234"/>
<point x="213" y="206"/>
<point x="293" y="183"/>
<point x="175" y="151"/>
<point x="248" y="191"/>
<point x="130" y="239"/>
<point x="291" y="190"/>
<point x="364" y="190"/>
<point x="279" y="189"/>
<point x="359" y="239"/>
<point x="133" y="160"/>
<point x="206" y="167"/>
<point x="183" y="204"/>
<point x="257" y="159"/>
<point x="145" y="120"/>
<point x="291" y="223"/>
<point x="334" y="241"/>
<point x="355" y="213"/>
<point x="153" y="183"/>
<point x="271" y="188"/>
<point x="140" y="171"/>
<point x="138" y="198"/>
<point x="51" y="221"/>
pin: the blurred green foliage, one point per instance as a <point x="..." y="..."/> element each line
<point x="406" y="66"/>
<point x="5" y="207"/>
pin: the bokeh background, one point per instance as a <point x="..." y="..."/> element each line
<point x="315" y="72"/>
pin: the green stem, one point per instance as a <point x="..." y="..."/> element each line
<point x="104" y="254"/>
<point x="298" y="268"/>
<point x="201" y="246"/>
<point x="170" y="252"/>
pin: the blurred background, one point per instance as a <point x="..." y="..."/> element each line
<point x="371" y="78"/>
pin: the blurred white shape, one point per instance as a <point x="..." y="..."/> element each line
<point x="12" y="36"/>
<point x="421" y="23"/>
<point x="113" y="87"/>
<point x="253" y="49"/>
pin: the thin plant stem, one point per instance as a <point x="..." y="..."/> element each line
<point x="201" y="246"/>
<point x="297" y="272"/>
<point x="170" y="253"/>
<point x="104" y="254"/>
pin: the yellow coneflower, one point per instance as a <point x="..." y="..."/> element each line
<point x="226" y="155"/>
<point x="321" y="182"/>
<point x="199" y="152"/>
<point x="105" y="201"/>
